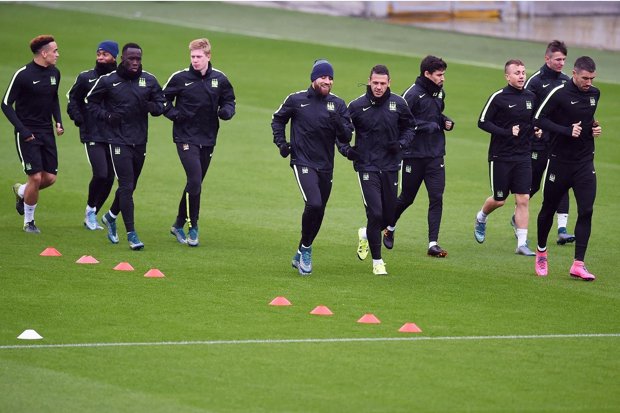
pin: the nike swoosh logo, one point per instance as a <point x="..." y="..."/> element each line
<point x="572" y="103"/>
<point x="441" y="166"/>
<point x="34" y="82"/>
<point x="365" y="109"/>
<point x="303" y="105"/>
<point x="511" y="106"/>
<point x="422" y="95"/>
<point x="116" y="84"/>
<point x="187" y="84"/>
<point x="544" y="86"/>
<point x="91" y="80"/>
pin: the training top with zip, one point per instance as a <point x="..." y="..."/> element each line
<point x="201" y="101"/>
<point x="128" y="98"/>
<point x="504" y="109"/>
<point x="541" y="83"/>
<point x="377" y="123"/>
<point x="313" y="132"/>
<point x="34" y="91"/>
<point x="426" y="102"/>
<point x="564" y="106"/>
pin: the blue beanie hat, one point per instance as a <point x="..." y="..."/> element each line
<point x="321" y="68"/>
<point x="109" y="46"/>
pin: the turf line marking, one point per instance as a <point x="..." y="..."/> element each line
<point x="311" y="340"/>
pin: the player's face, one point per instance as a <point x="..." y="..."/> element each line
<point x="437" y="77"/>
<point x="515" y="75"/>
<point x="555" y="61"/>
<point x="50" y="53"/>
<point x="132" y="58"/>
<point x="104" y="57"/>
<point x="323" y="85"/>
<point x="378" y="84"/>
<point x="200" y="60"/>
<point x="583" y="79"/>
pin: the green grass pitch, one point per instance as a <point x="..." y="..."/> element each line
<point x="495" y="337"/>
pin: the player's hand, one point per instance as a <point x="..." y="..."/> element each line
<point x="515" y="130"/>
<point x="448" y="123"/>
<point x="576" y="129"/>
<point x="353" y="154"/>
<point x="152" y="107"/>
<point x="285" y="149"/>
<point x="596" y="129"/>
<point x="59" y="129"/>
<point x="29" y="139"/>
<point x="538" y="132"/>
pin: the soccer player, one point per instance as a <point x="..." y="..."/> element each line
<point x="91" y="132"/>
<point x="507" y="116"/>
<point x="34" y="91"/>
<point x="541" y="83"/>
<point x="198" y="97"/>
<point x="384" y="126"/>
<point x="124" y="98"/>
<point x="568" y="114"/>
<point x="318" y="118"/>
<point x="423" y="161"/>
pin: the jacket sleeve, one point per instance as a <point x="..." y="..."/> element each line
<point x="279" y="120"/>
<point x="56" y="113"/>
<point x="406" y="127"/>
<point x="170" y="91"/>
<point x="75" y="100"/>
<point x="7" y="106"/>
<point x="345" y="131"/>
<point x="157" y="98"/>
<point x="541" y="118"/>
<point x="485" y="121"/>
<point x="226" y="102"/>
<point x="422" y="126"/>
<point x="94" y="99"/>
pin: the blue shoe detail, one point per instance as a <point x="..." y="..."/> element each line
<point x="134" y="242"/>
<point x="192" y="238"/>
<point x="480" y="229"/>
<point x="179" y="234"/>
<point x="305" y="263"/>
<point x="90" y="221"/>
<point x="110" y="224"/>
<point x="295" y="261"/>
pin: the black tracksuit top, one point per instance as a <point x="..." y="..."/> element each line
<point x="541" y="83"/>
<point x="34" y="91"/>
<point x="312" y="134"/>
<point x="91" y="128"/>
<point x="127" y="97"/>
<point x="564" y="106"/>
<point x="504" y="109"/>
<point x="376" y="123"/>
<point x="202" y="101"/>
<point x="427" y="108"/>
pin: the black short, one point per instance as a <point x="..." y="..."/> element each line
<point x="510" y="177"/>
<point x="39" y="154"/>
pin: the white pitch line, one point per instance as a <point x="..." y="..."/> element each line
<point x="311" y="340"/>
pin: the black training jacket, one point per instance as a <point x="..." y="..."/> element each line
<point x="541" y="83"/>
<point x="378" y="122"/>
<point x="197" y="103"/>
<point x="426" y="102"/>
<point x="564" y="106"/>
<point x="34" y="91"/>
<point x="128" y="98"/>
<point x="91" y="128"/>
<point x="504" y="109"/>
<point x="313" y="130"/>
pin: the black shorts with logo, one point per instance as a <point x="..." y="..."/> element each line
<point x="510" y="177"/>
<point x="39" y="154"/>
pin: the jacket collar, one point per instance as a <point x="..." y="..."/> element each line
<point x="197" y="72"/>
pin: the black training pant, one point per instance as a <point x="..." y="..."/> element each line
<point x="561" y="176"/>
<point x="196" y="160"/>
<point x="98" y="155"/>
<point x="315" y="188"/>
<point x="379" y="193"/>
<point x="430" y="171"/>
<point x="539" y="165"/>
<point x="128" y="161"/>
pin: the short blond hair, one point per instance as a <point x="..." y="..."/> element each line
<point x="201" y="44"/>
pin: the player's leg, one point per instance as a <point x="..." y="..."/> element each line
<point x="584" y="188"/>
<point x="412" y="174"/>
<point x="499" y="179"/>
<point x="435" y="181"/>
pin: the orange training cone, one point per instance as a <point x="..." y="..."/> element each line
<point x="280" y="301"/>
<point x="87" y="259"/>
<point x="154" y="273"/>
<point x="123" y="266"/>
<point x="369" y="319"/>
<point x="410" y="328"/>
<point x="321" y="310"/>
<point x="50" y="252"/>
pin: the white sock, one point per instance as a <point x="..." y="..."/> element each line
<point x="389" y="228"/>
<point x="303" y="246"/>
<point x="29" y="212"/>
<point x="112" y="215"/>
<point x="542" y="249"/>
<point x="521" y="236"/>
<point x="481" y="217"/>
<point x="432" y="244"/>
<point x="21" y="190"/>
<point x="364" y="234"/>
<point x="379" y="261"/>
<point x="90" y="209"/>
<point x="562" y="220"/>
